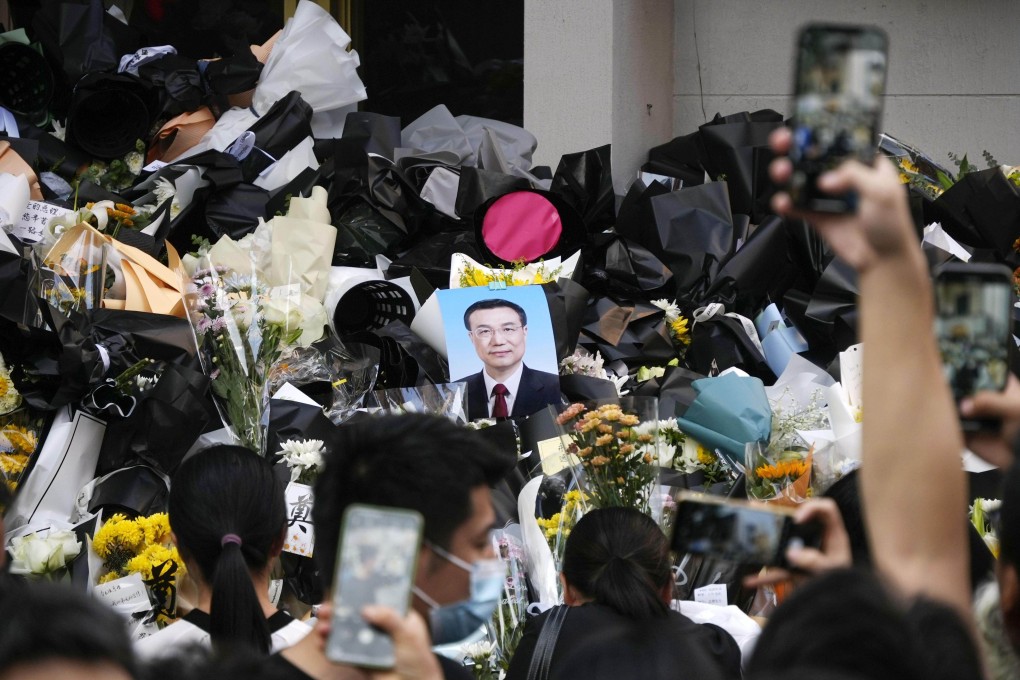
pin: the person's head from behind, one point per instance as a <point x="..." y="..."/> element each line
<point x="845" y="622"/>
<point x="498" y="330"/>
<point x="423" y="463"/>
<point x="52" y="631"/>
<point x="618" y="557"/>
<point x="228" y="514"/>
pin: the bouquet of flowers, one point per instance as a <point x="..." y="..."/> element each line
<point x="304" y="458"/>
<point x="465" y="272"/>
<point x="984" y="516"/>
<point x="689" y="457"/>
<point x="142" y="545"/>
<point x="779" y="471"/>
<point x="19" y="440"/>
<point x="612" y="458"/>
<point x="489" y="659"/>
<point x="593" y="366"/>
<point x="679" y="327"/>
<point x="44" y="556"/>
<point x="249" y="300"/>
<point x="72" y="274"/>
<point x="558" y="527"/>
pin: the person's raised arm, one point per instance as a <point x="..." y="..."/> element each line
<point x="913" y="487"/>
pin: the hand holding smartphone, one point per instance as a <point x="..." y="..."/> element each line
<point x="737" y="531"/>
<point x="378" y="552"/>
<point x="839" y="89"/>
<point x="974" y="304"/>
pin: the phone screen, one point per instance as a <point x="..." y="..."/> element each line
<point x="737" y="532"/>
<point x="973" y="327"/>
<point x="375" y="565"/>
<point x="840" y="84"/>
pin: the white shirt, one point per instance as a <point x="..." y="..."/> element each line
<point x="511" y="384"/>
<point x="191" y="630"/>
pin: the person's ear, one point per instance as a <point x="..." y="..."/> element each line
<point x="426" y="561"/>
<point x="276" y="547"/>
<point x="571" y="596"/>
<point x="666" y="593"/>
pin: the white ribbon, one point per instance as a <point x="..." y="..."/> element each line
<point x="714" y="309"/>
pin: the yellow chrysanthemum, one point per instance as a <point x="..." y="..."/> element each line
<point x="705" y="457"/>
<point x="155" y="527"/>
<point x="153" y="556"/>
<point x="109" y="576"/>
<point x="118" y="538"/>
<point x="20" y="439"/>
<point x="13" y="464"/>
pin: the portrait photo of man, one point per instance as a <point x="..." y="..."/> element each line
<point x="498" y="331"/>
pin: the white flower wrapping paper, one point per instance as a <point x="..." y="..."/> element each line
<point x="310" y="56"/>
<point x="526" y="275"/>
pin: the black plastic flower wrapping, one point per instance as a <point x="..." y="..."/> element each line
<point x="109" y="113"/>
<point x="26" y="82"/>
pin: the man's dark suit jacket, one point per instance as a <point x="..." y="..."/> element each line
<point x="537" y="390"/>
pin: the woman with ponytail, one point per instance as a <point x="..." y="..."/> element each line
<point x="227" y="516"/>
<point x="616" y="621"/>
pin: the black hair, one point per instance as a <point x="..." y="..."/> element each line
<point x="494" y="303"/>
<point x="229" y="490"/>
<point x="845" y="621"/>
<point x="619" y="557"/>
<point x="47" y="621"/>
<point x="421" y="462"/>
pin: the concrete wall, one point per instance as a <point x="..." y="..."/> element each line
<point x="599" y="72"/>
<point x="953" y="84"/>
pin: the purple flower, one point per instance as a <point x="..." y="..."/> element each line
<point x="206" y="289"/>
<point x="219" y="324"/>
<point x="204" y="324"/>
<point x="215" y="374"/>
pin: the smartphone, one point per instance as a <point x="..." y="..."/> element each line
<point x="839" y="87"/>
<point x="974" y="305"/>
<point x="378" y="551"/>
<point x="738" y="531"/>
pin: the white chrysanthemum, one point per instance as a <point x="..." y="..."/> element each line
<point x="671" y="309"/>
<point x="991" y="504"/>
<point x="480" y="651"/>
<point x="165" y="190"/>
<point x="302" y="456"/>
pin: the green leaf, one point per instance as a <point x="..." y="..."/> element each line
<point x="944" y="180"/>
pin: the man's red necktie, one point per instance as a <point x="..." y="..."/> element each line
<point x="499" y="410"/>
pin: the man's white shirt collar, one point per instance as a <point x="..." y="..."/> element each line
<point x="512" y="384"/>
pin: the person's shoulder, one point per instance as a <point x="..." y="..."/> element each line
<point x="453" y="670"/>
<point x="290" y="634"/>
<point x="470" y="378"/>
<point x="279" y="668"/>
<point x="541" y="376"/>
<point x="169" y="640"/>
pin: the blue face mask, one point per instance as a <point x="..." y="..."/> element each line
<point x="456" y="621"/>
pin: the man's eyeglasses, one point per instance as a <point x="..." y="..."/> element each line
<point x="486" y="333"/>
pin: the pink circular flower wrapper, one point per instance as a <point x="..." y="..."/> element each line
<point x="521" y="225"/>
